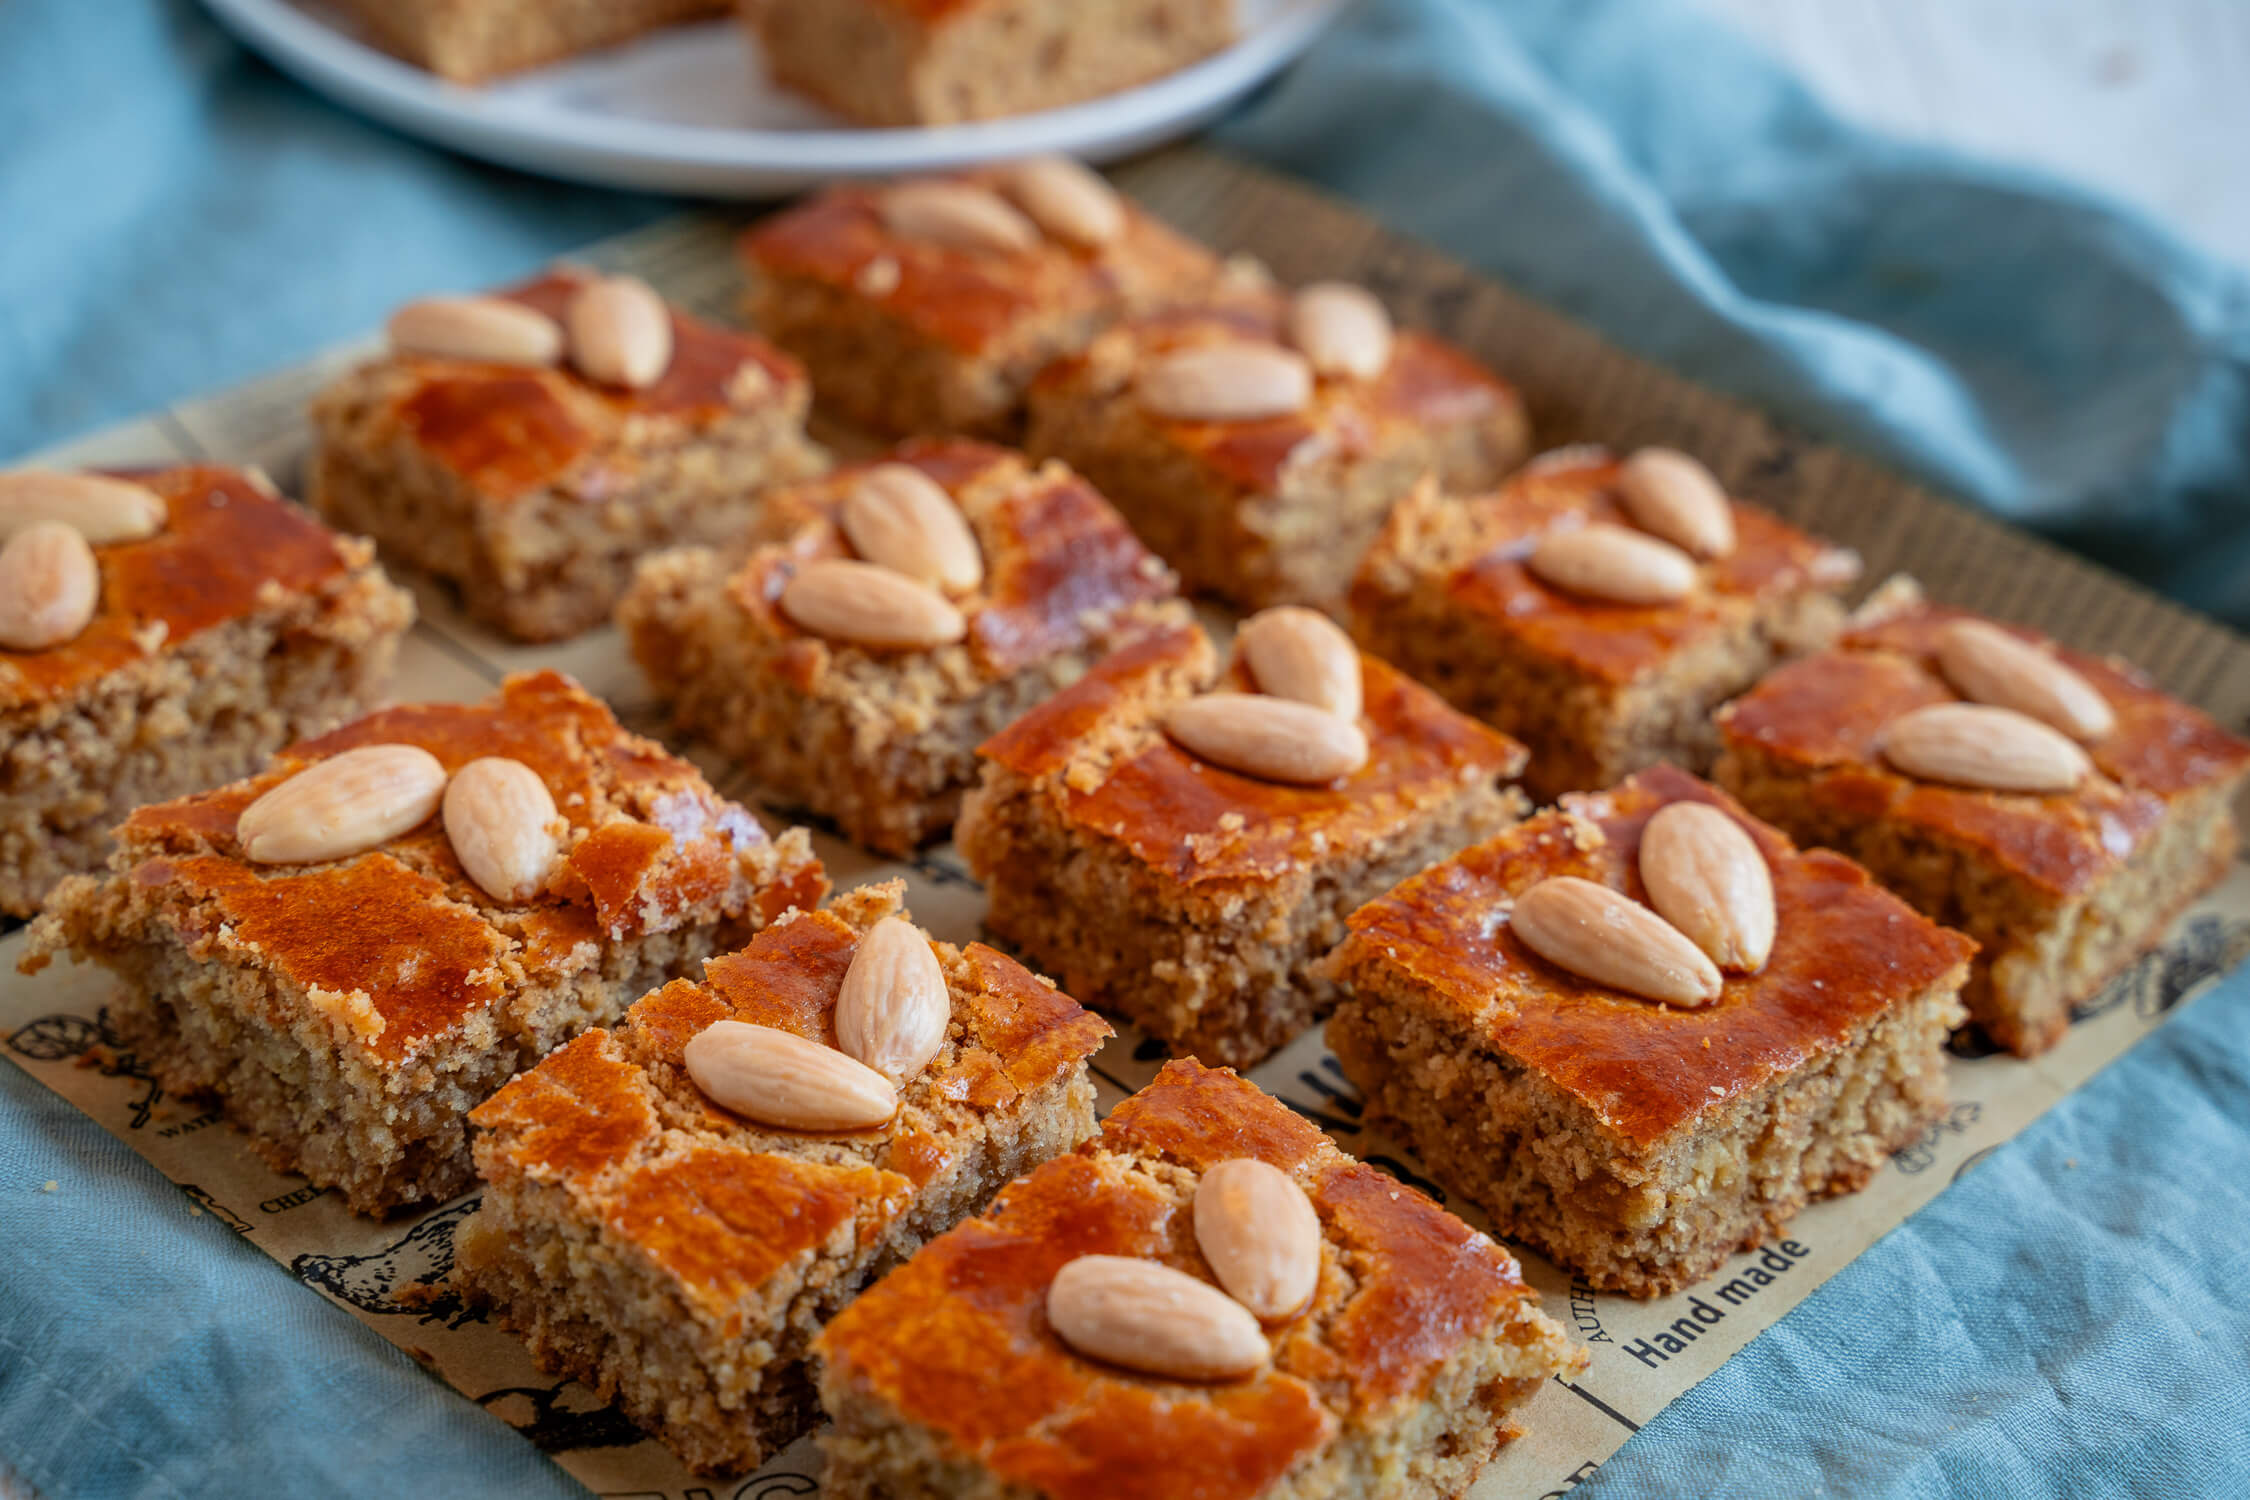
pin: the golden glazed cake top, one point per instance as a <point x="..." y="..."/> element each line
<point x="1059" y="563"/>
<point x="1823" y="718"/>
<point x="1477" y="548"/>
<point x="397" y="946"/>
<point x="975" y="302"/>
<point x="1845" y="952"/>
<point x="957" y="1340"/>
<point x="230" y="547"/>
<point x="509" y="430"/>
<point x="1427" y="384"/>
<point x="721" y="1203"/>
<point x="1101" y="757"/>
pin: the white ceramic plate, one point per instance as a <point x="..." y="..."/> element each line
<point x="689" y="110"/>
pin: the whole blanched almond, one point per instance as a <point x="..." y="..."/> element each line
<point x="1992" y="666"/>
<point x="898" y="517"/>
<point x="491" y="330"/>
<point x="1670" y="495"/>
<point x="50" y="585"/>
<point x="1343" y="329"/>
<point x="1273" y="739"/>
<point x="1706" y="877"/>
<point x="868" y="605"/>
<point x="98" y="508"/>
<point x="620" y="332"/>
<point x="1977" y="745"/>
<point x="779" y="1078"/>
<point x="500" y="817"/>
<point x="1300" y="653"/>
<point x="1233" y="382"/>
<point x="1612" y="563"/>
<point x="340" y="806"/>
<point x="958" y="215"/>
<point x="1261" y="1235"/>
<point x="1068" y="199"/>
<point x="893" y="1009"/>
<point x="1145" y="1316"/>
<point x="1600" y="936"/>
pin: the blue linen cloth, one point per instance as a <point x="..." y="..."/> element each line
<point x="2067" y="1319"/>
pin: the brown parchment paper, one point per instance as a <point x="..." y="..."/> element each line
<point x="1580" y="389"/>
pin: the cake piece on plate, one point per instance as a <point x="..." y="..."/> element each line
<point x="355" y="947"/>
<point x="529" y="446"/>
<point x="1597" y="609"/>
<point x="1182" y="843"/>
<point x="942" y="62"/>
<point x="1257" y="442"/>
<point x="470" y="41"/>
<point x="2056" y="807"/>
<point x="1641" y="1031"/>
<point x="673" y="1208"/>
<point x="900" y="613"/>
<point x="926" y="305"/>
<point x="163" y="631"/>
<point x="1208" y="1299"/>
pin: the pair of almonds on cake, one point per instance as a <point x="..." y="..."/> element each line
<point x="498" y="815"/>
<point x="2022" y="727"/>
<point x="1039" y="198"/>
<point x="1302" y="725"/>
<point x="1261" y="1237"/>
<point x="50" y="523"/>
<point x="891" y="1016"/>
<point x="616" y="330"/>
<point x="916" y="555"/>
<point x="1340" y="332"/>
<point x="1712" y="895"/>
<point x="1680" y="516"/>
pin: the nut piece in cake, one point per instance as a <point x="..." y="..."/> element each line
<point x="1082" y="1337"/>
<point x="1641" y="1138"/>
<point x="1162" y="868"/>
<point x="652" y="1230"/>
<point x="317" y="947"/>
<point x="899" y="614"/>
<point x="1262" y="469"/>
<point x="1596" y="627"/>
<point x="927" y="305"/>
<point x="208" y="623"/>
<point x="941" y="62"/>
<point x="480" y="450"/>
<point x="2082" y="813"/>
<point x="470" y="41"/>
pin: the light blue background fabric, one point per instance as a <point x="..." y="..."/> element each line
<point x="174" y="217"/>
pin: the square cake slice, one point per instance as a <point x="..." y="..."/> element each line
<point x="927" y="305"/>
<point x="881" y="736"/>
<point x="1395" y="1376"/>
<point x="501" y="466"/>
<point x="1194" y="898"/>
<point x="2061" y="885"/>
<point x="472" y="41"/>
<point x="1597" y="685"/>
<point x="943" y="62"/>
<point x="677" y="1256"/>
<point x="1261" y="472"/>
<point x="1641" y="1143"/>
<point x="225" y="623"/>
<point x="351" y="1006"/>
